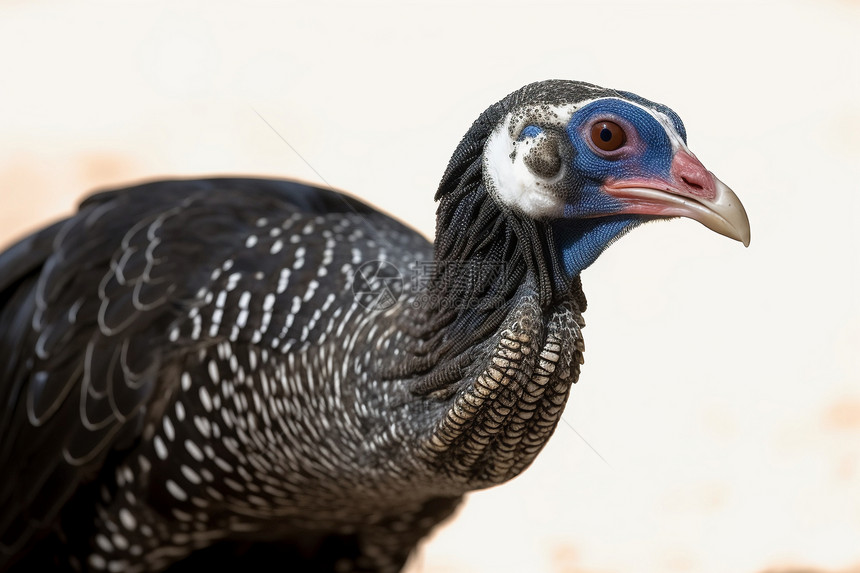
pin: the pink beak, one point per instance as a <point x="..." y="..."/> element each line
<point x="692" y="191"/>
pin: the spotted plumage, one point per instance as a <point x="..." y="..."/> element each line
<point x="194" y="372"/>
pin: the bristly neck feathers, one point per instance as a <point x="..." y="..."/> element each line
<point x="484" y="254"/>
<point x="495" y="341"/>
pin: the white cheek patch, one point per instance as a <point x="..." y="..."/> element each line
<point x="510" y="180"/>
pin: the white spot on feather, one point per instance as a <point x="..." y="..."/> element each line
<point x="176" y="491"/>
<point x="160" y="448"/>
<point x="127" y="519"/>
<point x="194" y="450"/>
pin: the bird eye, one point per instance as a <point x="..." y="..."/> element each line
<point x="608" y="136"/>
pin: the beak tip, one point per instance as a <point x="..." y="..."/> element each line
<point x="732" y="212"/>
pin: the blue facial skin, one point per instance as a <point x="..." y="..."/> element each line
<point x="530" y="131"/>
<point x="591" y="219"/>
<point x="676" y="121"/>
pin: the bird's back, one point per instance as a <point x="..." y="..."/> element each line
<point x="110" y="319"/>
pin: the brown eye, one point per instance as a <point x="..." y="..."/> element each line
<point x="608" y="136"/>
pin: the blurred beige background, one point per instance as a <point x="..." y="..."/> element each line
<point x="722" y="385"/>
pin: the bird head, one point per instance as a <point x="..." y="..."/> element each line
<point x="595" y="163"/>
<point x="587" y="164"/>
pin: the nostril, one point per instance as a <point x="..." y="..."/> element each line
<point x="692" y="183"/>
<point x="691" y="176"/>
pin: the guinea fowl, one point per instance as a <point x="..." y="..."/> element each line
<point x="195" y="371"/>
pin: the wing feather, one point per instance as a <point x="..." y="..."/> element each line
<point x="86" y="310"/>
